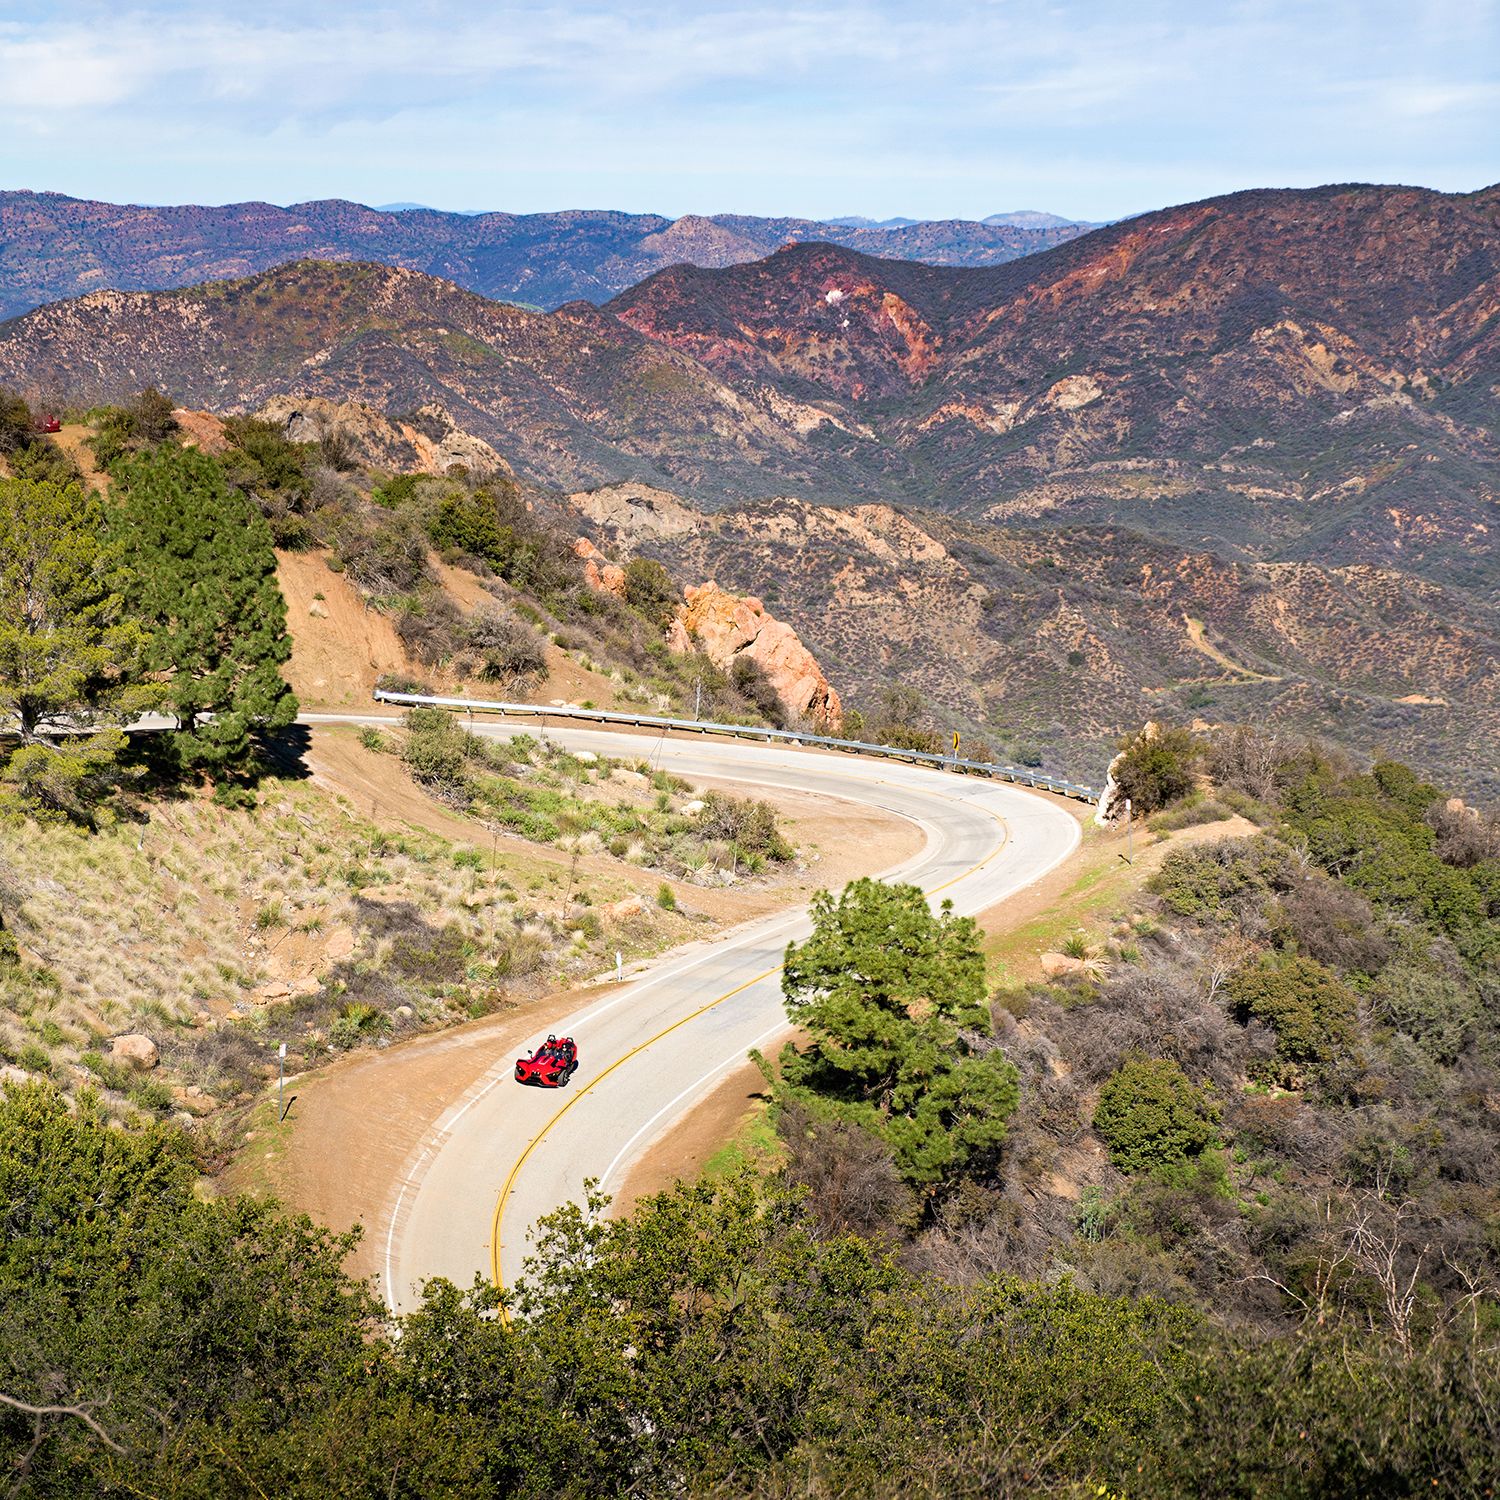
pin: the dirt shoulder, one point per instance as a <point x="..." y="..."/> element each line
<point x="356" y="1123"/>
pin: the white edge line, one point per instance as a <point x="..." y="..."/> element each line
<point x="692" y="1088"/>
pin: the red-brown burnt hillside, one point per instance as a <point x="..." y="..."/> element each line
<point x="1284" y="371"/>
<point x="849" y="324"/>
<point x="1406" y="276"/>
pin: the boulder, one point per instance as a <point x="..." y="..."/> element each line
<point x="135" y="1051"/>
<point x="602" y="576"/>
<point x="429" y="443"/>
<point x="631" y="906"/>
<point x="727" y="628"/>
<point x="201" y="429"/>
<point x="339" y="943"/>
<point x="1111" y="800"/>
<point x="195" y="1101"/>
<point x="1062" y="965"/>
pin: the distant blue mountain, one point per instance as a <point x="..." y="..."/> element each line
<point x="427" y="208"/>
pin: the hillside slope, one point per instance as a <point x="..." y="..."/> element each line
<point x="1298" y="376"/>
<point x="1259" y="430"/>
<point x="1053" y="640"/>
<point x="1291" y="373"/>
<point x="571" y="397"/>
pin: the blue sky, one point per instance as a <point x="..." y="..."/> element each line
<point x="930" y="109"/>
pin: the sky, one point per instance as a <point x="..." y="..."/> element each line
<point x="928" y="109"/>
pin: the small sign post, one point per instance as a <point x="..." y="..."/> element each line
<point x="280" y="1082"/>
<point x="619" y="965"/>
<point x="1129" y="835"/>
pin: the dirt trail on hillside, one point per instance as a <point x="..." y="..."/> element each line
<point x="74" y="441"/>
<point x="1200" y="642"/>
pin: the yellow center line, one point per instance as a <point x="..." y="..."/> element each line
<point x="536" y="1140"/>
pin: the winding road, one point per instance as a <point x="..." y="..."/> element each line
<point x="503" y="1156"/>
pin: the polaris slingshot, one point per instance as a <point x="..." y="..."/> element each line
<point x="551" y="1065"/>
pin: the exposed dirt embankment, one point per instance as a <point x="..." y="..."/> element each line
<point x="339" y="645"/>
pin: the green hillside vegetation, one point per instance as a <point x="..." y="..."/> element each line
<point x="192" y="885"/>
<point x="380" y="530"/>
<point x="161" y="595"/>
<point x="1259" y="1097"/>
<point x="716" y="1342"/>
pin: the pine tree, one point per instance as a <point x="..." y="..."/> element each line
<point x="208" y="593"/>
<point x="69" y="652"/>
<point x="893" y="998"/>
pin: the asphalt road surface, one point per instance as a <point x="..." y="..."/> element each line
<point x="503" y="1156"/>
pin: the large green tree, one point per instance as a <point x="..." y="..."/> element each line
<point x="894" y="999"/>
<point x="208" y="592"/>
<point x="69" y="651"/>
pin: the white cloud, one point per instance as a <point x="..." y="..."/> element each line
<point x="821" y="106"/>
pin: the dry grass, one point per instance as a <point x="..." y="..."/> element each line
<point x="220" y="931"/>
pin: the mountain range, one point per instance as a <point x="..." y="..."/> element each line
<point x="1236" y="457"/>
<point x="53" y="246"/>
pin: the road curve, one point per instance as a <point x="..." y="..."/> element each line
<point x="503" y="1156"/>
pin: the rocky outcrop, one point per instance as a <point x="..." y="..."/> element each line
<point x="135" y="1051"/>
<point x="637" y="512"/>
<point x="601" y="575"/>
<point x="201" y="429"/>
<point x="1062" y="966"/>
<point x="727" y="629"/>
<point x="428" y="442"/>
<point x="1111" y="806"/>
<point x="194" y="1100"/>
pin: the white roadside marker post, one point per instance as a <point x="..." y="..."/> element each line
<point x="280" y="1083"/>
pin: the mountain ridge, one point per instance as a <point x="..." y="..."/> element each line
<point x="1277" y="373"/>
<point x="53" y="246"/>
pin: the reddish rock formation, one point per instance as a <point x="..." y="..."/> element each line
<point x="726" y="628"/>
<point x="602" y="576"/>
<point x="201" y="429"/>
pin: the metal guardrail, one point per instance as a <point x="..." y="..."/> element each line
<point x="1016" y="774"/>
